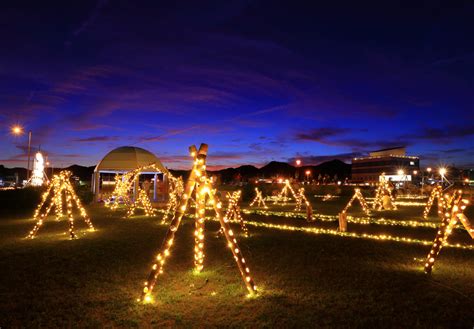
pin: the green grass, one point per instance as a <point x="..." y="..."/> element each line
<point x="304" y="280"/>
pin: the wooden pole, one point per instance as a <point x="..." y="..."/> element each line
<point x="342" y="222"/>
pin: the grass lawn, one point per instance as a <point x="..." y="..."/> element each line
<point x="305" y="280"/>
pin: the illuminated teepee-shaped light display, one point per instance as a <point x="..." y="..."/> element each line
<point x="175" y="194"/>
<point x="142" y="201"/>
<point x="233" y="211"/>
<point x="200" y="183"/>
<point x="258" y="199"/>
<point x="283" y="195"/>
<point x="453" y="214"/>
<point x="59" y="191"/>
<point x="299" y="197"/>
<point x="383" y="189"/>
<point x="358" y="195"/>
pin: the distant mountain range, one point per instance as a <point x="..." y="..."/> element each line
<point x="277" y="169"/>
<point x="273" y="169"/>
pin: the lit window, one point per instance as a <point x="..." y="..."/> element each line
<point x="412" y="163"/>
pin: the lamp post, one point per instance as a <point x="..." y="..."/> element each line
<point x="297" y="174"/>
<point x="17" y="130"/>
<point x="308" y="173"/>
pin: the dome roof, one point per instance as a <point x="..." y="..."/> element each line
<point x="128" y="158"/>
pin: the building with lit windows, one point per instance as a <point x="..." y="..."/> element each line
<point x="397" y="166"/>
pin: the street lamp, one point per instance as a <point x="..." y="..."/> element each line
<point x="297" y="174"/>
<point x="18" y="130"/>
<point x="307" y="172"/>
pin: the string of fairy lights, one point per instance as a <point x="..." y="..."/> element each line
<point x="356" y="220"/>
<point x="283" y="197"/>
<point x="436" y="194"/>
<point x="59" y="191"/>
<point x="124" y="184"/>
<point x="300" y="198"/>
<point x="323" y="231"/>
<point x="258" y="199"/>
<point x="335" y="232"/>
<point x="233" y="211"/>
<point x="142" y="201"/>
<point x="175" y="193"/>
<point x="358" y="195"/>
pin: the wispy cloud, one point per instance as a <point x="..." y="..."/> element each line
<point x="446" y="134"/>
<point x="96" y="139"/>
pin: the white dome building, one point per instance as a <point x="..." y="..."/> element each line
<point x="122" y="160"/>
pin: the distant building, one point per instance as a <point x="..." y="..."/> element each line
<point x="394" y="162"/>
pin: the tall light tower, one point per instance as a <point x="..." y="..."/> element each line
<point x="18" y="130"/>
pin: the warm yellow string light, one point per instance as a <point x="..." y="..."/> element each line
<point x="283" y="195"/>
<point x="436" y="194"/>
<point x="363" y="221"/>
<point x="60" y="185"/>
<point x="233" y="211"/>
<point x="383" y="189"/>
<point x="175" y="193"/>
<point x="328" y="197"/>
<point x="356" y="220"/>
<point x="453" y="213"/>
<point x="358" y="195"/>
<point x="124" y="184"/>
<point x="300" y="198"/>
<point x="143" y="202"/>
<point x="258" y="199"/>
<point x="376" y="237"/>
<point x="200" y="183"/>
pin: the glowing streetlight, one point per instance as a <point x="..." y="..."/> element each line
<point x="415" y="172"/>
<point x="17" y="130"/>
<point x="428" y="169"/>
<point x="400" y="172"/>
<point x="297" y="173"/>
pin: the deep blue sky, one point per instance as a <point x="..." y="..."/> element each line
<point x="256" y="80"/>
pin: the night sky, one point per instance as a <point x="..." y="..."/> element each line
<point x="256" y="80"/>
